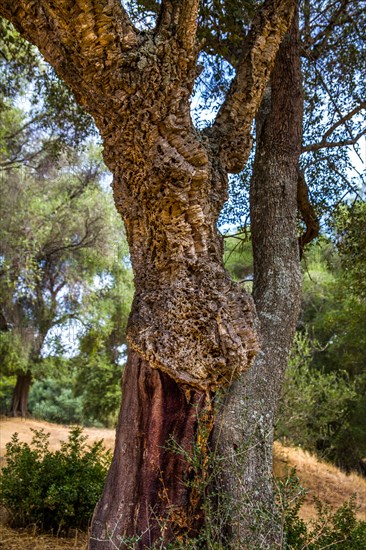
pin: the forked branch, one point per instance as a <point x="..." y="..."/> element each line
<point x="78" y="38"/>
<point x="324" y="143"/>
<point x="231" y="130"/>
<point x="320" y="41"/>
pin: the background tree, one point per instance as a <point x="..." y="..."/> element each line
<point x="41" y="124"/>
<point x="39" y="118"/>
<point x="182" y="237"/>
<point x="325" y="387"/>
<point x="103" y="346"/>
<point x="51" y="242"/>
<point x="90" y="380"/>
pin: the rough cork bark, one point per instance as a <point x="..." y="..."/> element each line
<point x="246" y="427"/>
<point x="192" y="330"/>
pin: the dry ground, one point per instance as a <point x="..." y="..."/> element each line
<point x="57" y="433"/>
<point x="319" y="478"/>
<point x="20" y="539"/>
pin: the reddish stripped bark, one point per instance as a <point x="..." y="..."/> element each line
<point x="146" y="489"/>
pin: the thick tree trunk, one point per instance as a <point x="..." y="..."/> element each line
<point x="245" y="434"/>
<point x="191" y="330"/>
<point x="150" y="494"/>
<point x="19" y="402"/>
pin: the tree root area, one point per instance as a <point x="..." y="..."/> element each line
<point x="149" y="495"/>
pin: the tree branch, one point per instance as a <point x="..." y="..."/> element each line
<point x="307" y="213"/>
<point x="321" y="39"/>
<point x="323" y="144"/>
<point x="342" y="143"/>
<point x="180" y="17"/>
<point x="232" y="126"/>
<point x="78" y="38"/>
<point x="344" y="119"/>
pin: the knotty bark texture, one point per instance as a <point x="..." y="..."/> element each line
<point x="245" y="430"/>
<point x="191" y="330"/>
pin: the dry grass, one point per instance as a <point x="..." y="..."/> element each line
<point x="57" y="432"/>
<point x="319" y="478"/>
<point x="26" y="539"/>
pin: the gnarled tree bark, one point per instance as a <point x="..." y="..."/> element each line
<point x="191" y="330"/>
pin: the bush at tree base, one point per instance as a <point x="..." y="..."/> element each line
<point x="58" y="491"/>
<point x="53" y="490"/>
<point x="339" y="529"/>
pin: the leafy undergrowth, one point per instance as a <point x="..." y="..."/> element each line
<point x="53" y="490"/>
<point x="320" y="479"/>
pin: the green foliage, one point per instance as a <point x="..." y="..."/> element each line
<point x="7" y="384"/>
<point x="60" y="234"/>
<point x="61" y="238"/>
<point x="102" y="348"/>
<point x="53" y="400"/>
<point x="322" y="411"/>
<point x="52" y="121"/>
<point x="334" y="308"/>
<point x="53" y="490"/>
<point x="349" y="225"/>
<point x="86" y="388"/>
<point x="238" y="256"/>
<point x="13" y="353"/>
<point x="98" y="386"/>
<point x="331" y="528"/>
<point x="333" y="86"/>
<point x="324" y="393"/>
<point x="290" y="496"/>
<point x="87" y="393"/>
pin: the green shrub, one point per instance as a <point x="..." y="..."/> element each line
<point x="331" y="528"/>
<point x="323" y="412"/>
<point x="53" y="490"/>
<point x="49" y="400"/>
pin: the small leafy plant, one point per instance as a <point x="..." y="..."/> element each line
<point x="331" y="529"/>
<point x="53" y="490"/>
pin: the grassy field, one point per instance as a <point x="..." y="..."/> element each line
<point x="318" y="478"/>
